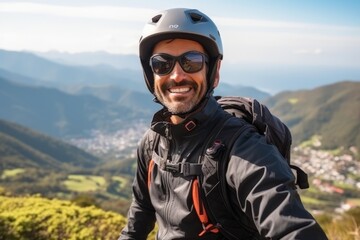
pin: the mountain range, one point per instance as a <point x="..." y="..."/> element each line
<point x="44" y="72"/>
<point x="33" y="162"/>
<point x="102" y="74"/>
<point x="70" y="100"/>
<point x="44" y="103"/>
<point x="61" y="114"/>
<point x="64" y="100"/>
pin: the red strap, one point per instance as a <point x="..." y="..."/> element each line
<point x="150" y="169"/>
<point x="200" y="210"/>
<point x="198" y="205"/>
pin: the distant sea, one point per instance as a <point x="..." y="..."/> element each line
<point x="275" y="79"/>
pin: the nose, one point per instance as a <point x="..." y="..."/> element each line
<point x="177" y="74"/>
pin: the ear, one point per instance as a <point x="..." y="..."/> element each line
<point x="217" y="74"/>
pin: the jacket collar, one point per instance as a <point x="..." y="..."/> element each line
<point x="195" y="121"/>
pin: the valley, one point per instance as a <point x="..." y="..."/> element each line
<point x="331" y="172"/>
<point x="334" y="176"/>
<point x="70" y="132"/>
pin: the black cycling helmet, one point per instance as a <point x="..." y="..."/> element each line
<point x="185" y="24"/>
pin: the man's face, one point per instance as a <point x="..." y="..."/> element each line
<point x="178" y="90"/>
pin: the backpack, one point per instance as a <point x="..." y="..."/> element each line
<point x="275" y="131"/>
<point x="209" y="184"/>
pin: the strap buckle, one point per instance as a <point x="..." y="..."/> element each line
<point x="172" y="167"/>
<point x="191" y="169"/>
<point x="186" y="169"/>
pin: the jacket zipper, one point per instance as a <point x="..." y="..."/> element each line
<point x="169" y="198"/>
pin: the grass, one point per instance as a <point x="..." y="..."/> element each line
<point x="314" y="141"/>
<point x="85" y="183"/>
<point x="293" y="101"/>
<point x="310" y="200"/>
<point x="11" y="172"/>
<point x="122" y="181"/>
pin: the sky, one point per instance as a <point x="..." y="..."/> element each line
<point x="267" y="34"/>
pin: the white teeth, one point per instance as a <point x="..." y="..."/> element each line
<point x="179" y="90"/>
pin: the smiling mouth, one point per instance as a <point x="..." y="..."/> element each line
<point x="179" y="90"/>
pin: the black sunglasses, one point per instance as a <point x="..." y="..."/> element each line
<point x="190" y="62"/>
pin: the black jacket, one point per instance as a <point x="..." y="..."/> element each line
<point x="260" y="181"/>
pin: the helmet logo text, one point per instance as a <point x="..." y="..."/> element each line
<point x="174" y="26"/>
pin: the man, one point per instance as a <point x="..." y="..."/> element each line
<point x="181" y="52"/>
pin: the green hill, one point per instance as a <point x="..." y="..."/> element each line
<point x="331" y="112"/>
<point x="33" y="163"/>
<point x="22" y="147"/>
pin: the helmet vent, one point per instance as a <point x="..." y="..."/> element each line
<point x="156" y="18"/>
<point x="195" y="17"/>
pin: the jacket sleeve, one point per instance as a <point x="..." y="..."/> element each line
<point x="264" y="190"/>
<point x="141" y="214"/>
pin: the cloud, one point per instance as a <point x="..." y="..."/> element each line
<point x="316" y="51"/>
<point x="96" y="12"/>
<point x="116" y="29"/>
<point x="82" y="28"/>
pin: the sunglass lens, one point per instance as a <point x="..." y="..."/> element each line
<point x="161" y="64"/>
<point x="191" y="62"/>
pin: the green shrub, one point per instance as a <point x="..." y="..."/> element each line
<point x="25" y="218"/>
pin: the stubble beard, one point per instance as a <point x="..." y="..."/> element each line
<point x="178" y="105"/>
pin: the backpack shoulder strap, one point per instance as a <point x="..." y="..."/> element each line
<point x="275" y="131"/>
<point x="151" y="163"/>
<point x="213" y="185"/>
